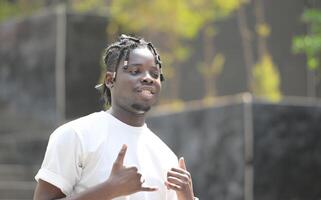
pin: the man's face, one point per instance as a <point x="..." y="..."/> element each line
<point x="137" y="85"/>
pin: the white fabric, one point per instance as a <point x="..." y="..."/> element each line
<point x="80" y="155"/>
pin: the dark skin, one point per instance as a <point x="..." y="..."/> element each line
<point x="134" y="91"/>
<point x="129" y="92"/>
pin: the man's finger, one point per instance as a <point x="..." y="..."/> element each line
<point x="182" y="176"/>
<point x="181" y="163"/>
<point x="121" y="155"/>
<point x="149" y="189"/>
<point x="180" y="171"/>
<point x="172" y="186"/>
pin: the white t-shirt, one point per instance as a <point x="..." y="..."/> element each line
<point x="80" y="154"/>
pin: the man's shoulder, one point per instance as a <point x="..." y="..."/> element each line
<point x="88" y="120"/>
<point x="83" y="128"/>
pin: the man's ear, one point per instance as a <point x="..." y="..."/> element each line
<point x="109" y="79"/>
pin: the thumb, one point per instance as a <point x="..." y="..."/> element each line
<point x="120" y="158"/>
<point x="181" y="163"/>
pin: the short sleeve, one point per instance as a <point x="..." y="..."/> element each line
<point x="62" y="163"/>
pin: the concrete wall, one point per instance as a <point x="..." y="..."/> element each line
<point x="50" y="63"/>
<point x="212" y="143"/>
<point x="235" y="151"/>
<point x="27" y="66"/>
<point x="287" y="147"/>
<point x="250" y="150"/>
<point x="86" y="40"/>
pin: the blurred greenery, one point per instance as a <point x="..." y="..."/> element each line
<point x="263" y="30"/>
<point x="9" y="9"/>
<point x="310" y="44"/>
<point x="266" y="79"/>
<point x="88" y="5"/>
<point x="175" y="25"/>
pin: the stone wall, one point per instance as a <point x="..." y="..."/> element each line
<point x="27" y="66"/>
<point x="32" y="81"/>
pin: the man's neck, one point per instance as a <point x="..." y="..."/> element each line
<point x="130" y="118"/>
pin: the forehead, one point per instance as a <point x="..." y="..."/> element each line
<point x="141" y="55"/>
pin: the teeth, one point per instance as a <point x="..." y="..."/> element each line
<point x="146" y="92"/>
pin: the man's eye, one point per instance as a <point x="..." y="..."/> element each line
<point x="155" y="74"/>
<point x="133" y="71"/>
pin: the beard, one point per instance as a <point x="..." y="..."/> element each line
<point x="141" y="108"/>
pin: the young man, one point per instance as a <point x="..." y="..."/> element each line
<point x="113" y="154"/>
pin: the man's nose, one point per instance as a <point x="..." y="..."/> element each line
<point x="147" y="78"/>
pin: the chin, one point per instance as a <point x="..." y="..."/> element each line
<point x="141" y="109"/>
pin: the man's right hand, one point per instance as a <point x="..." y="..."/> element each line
<point x="126" y="180"/>
<point x="121" y="182"/>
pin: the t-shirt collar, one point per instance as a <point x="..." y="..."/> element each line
<point x="122" y="124"/>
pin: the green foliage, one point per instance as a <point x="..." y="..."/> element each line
<point x="313" y="18"/>
<point x="263" y="30"/>
<point x="160" y="16"/>
<point x="171" y="24"/>
<point x="174" y="19"/>
<point x="180" y="17"/>
<point x="88" y="5"/>
<point x="266" y="79"/>
<point x="9" y="9"/>
<point x="214" y="69"/>
<point x="310" y="44"/>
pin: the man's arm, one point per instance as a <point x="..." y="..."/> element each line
<point x="46" y="191"/>
<point x="122" y="181"/>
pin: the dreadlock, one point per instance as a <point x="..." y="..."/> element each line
<point x="115" y="52"/>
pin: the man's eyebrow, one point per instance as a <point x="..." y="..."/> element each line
<point x="138" y="64"/>
<point x="134" y="64"/>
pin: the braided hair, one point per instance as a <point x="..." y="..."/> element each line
<point x="115" y="52"/>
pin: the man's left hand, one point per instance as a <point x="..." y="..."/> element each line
<point x="180" y="180"/>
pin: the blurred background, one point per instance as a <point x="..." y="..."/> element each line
<point x="240" y="101"/>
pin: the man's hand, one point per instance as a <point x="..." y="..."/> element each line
<point x="179" y="179"/>
<point x="126" y="180"/>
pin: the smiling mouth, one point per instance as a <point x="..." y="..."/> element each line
<point x="146" y="90"/>
<point x="146" y="93"/>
